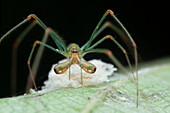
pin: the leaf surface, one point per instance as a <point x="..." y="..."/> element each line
<point x="115" y="96"/>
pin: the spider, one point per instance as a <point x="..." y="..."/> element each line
<point x="74" y="53"/>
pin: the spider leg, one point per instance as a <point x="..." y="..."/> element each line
<point x="87" y="45"/>
<point x="57" y="39"/>
<point x="69" y="67"/>
<point x="14" y="56"/>
<point x="123" y="50"/>
<point x="10" y="31"/>
<point x="37" y="58"/>
<point x="96" y="28"/>
<point x="110" y="55"/>
<point x="122" y="35"/>
<point x="81" y="72"/>
<point x="135" y="54"/>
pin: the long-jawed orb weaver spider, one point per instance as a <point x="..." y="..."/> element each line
<point x="74" y="53"/>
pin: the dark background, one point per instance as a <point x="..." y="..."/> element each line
<point x="147" y="22"/>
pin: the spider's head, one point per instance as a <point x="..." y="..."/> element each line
<point x="73" y="48"/>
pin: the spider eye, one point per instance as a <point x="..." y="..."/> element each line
<point x="74" y="51"/>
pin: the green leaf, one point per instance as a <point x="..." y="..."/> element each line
<point x="114" y="96"/>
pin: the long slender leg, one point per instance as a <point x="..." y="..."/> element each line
<point x="108" y="24"/>
<point x="135" y="54"/>
<point x="87" y="45"/>
<point x="57" y="39"/>
<point x="81" y="71"/>
<point x="122" y="35"/>
<point x="137" y="85"/>
<point x="102" y="28"/>
<point x="10" y="31"/>
<point x="36" y="62"/>
<point x="29" y="59"/>
<point x="69" y="68"/>
<point x="37" y="58"/>
<point x="112" y="26"/>
<point x="96" y="28"/>
<point x="14" y="56"/>
<point x="123" y="50"/>
<point x="43" y="44"/>
<point x="110" y="55"/>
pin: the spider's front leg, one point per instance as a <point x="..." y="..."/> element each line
<point x="37" y="58"/>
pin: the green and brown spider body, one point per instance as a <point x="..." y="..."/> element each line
<point x="74" y="57"/>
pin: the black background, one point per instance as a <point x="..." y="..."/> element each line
<point x="147" y="22"/>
